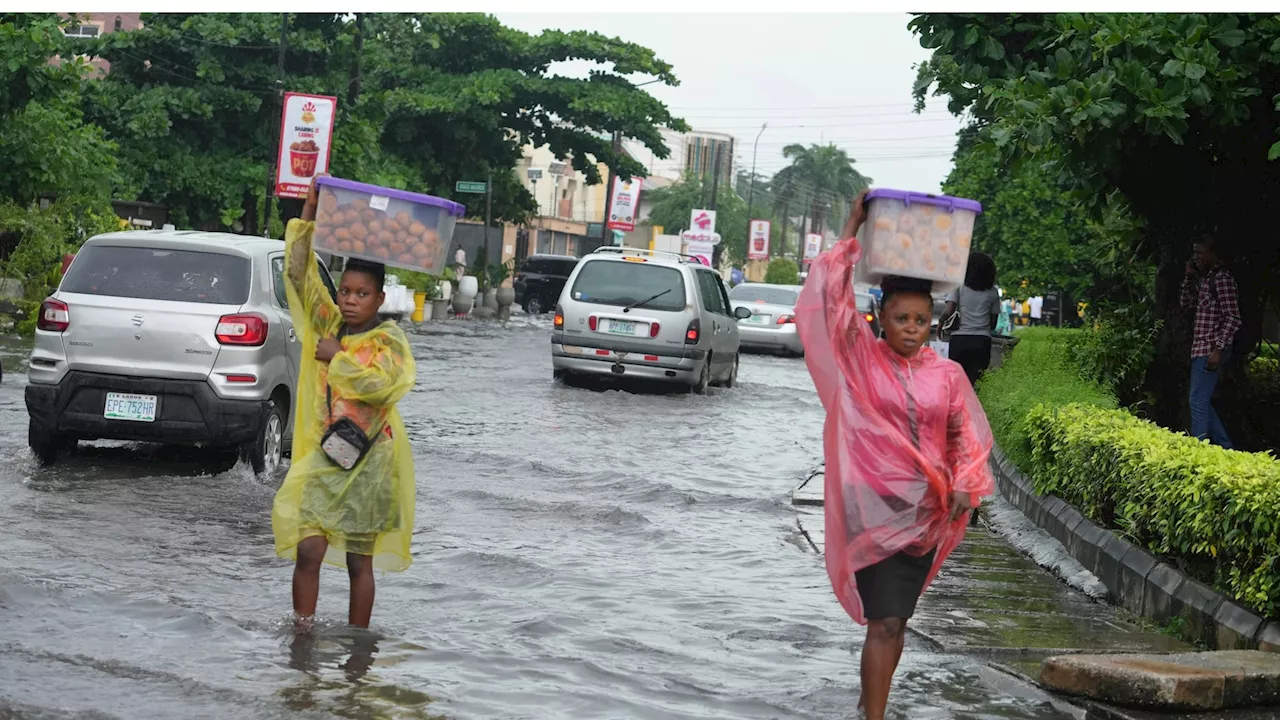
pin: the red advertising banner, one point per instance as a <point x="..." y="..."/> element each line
<point x="758" y="240"/>
<point x="306" y="136"/>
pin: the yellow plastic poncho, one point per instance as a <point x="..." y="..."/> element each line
<point x="369" y="509"/>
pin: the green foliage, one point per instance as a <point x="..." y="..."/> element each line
<point x="1037" y="370"/>
<point x="671" y="207"/>
<point x="1043" y="235"/>
<point x="782" y="271"/>
<point x="821" y="175"/>
<point x="441" y="97"/>
<point x="1117" y="348"/>
<point x="1215" y="512"/>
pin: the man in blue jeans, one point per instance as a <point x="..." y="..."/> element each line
<point x="1211" y="289"/>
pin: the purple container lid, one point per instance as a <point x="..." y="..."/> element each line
<point x="449" y="206"/>
<point x="946" y="201"/>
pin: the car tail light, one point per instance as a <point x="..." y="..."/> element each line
<point x="249" y="329"/>
<point x="786" y="319"/>
<point x="559" y="319"/>
<point x="55" y="316"/>
<point x="250" y="379"/>
<point x="871" y="318"/>
<point x="654" y="328"/>
<point x="592" y="322"/>
<point x="694" y="333"/>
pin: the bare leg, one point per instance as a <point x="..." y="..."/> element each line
<point x="880" y="654"/>
<point x="360" y="570"/>
<point x="306" y="576"/>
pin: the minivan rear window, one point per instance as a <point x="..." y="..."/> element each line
<point x="865" y="302"/>
<point x="159" y="274"/>
<point x="748" y="293"/>
<point x="613" y="282"/>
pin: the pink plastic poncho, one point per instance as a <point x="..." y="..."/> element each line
<point x="901" y="435"/>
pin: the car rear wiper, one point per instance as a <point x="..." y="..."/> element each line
<point x="645" y="301"/>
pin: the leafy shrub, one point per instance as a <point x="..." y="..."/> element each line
<point x="1117" y="348"/>
<point x="1215" y="512"/>
<point x="1037" y="370"/>
<point x="782" y="271"/>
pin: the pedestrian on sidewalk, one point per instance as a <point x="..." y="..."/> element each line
<point x="348" y="499"/>
<point x="976" y="307"/>
<point x="906" y="446"/>
<point x="1210" y="288"/>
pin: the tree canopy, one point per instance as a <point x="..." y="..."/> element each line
<point x="672" y="206"/>
<point x="1178" y="112"/>
<point x="424" y="100"/>
<point x="819" y="175"/>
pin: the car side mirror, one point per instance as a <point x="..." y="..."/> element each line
<point x="741" y="313"/>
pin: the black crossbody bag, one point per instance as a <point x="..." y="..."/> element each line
<point x="344" y="443"/>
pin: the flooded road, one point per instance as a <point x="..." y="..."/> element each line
<point x="579" y="554"/>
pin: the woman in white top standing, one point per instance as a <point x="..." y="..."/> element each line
<point x="978" y="305"/>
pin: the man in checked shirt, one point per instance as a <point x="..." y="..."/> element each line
<point x="1211" y="289"/>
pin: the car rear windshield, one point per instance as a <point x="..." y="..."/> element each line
<point x="613" y="282"/>
<point x="159" y="274"/>
<point x="865" y="302"/>
<point x="771" y="295"/>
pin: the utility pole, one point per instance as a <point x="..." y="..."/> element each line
<point x="717" y="251"/>
<point x="488" y="221"/>
<point x="804" y="220"/>
<point x="605" y="233"/>
<point x="357" y="74"/>
<point x="275" y="152"/>
<point x="751" y="191"/>
<point x="786" y="220"/>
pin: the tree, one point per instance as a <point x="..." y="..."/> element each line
<point x="672" y="206"/>
<point x="818" y="175"/>
<point x="424" y="100"/>
<point x="1044" y="236"/>
<point x="1177" y="112"/>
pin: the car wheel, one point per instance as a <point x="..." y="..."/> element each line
<point x="47" y="444"/>
<point x="704" y="378"/>
<point x="534" y="305"/>
<point x="265" y="453"/>
<point x="733" y="375"/>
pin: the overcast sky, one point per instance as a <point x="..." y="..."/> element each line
<point x="846" y="78"/>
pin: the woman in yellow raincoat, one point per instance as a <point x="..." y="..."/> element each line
<point x="355" y="368"/>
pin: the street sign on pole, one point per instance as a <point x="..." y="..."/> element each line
<point x="475" y="188"/>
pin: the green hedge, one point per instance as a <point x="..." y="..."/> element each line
<point x="1214" y="513"/>
<point x="1038" y="370"/>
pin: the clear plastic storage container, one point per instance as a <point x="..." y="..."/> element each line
<point x="394" y="227"/>
<point x="916" y="235"/>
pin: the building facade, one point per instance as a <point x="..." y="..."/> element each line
<point x="91" y="25"/>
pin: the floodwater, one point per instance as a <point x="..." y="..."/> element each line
<point x="579" y="554"/>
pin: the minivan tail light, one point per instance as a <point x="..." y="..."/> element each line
<point x="559" y="319"/>
<point x="592" y="322"/>
<point x="786" y="319"/>
<point x="55" y="316"/>
<point x="654" y="329"/>
<point x="692" y="335"/>
<point x="249" y="329"/>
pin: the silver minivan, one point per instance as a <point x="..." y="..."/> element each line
<point x="647" y="315"/>
<point x="172" y="337"/>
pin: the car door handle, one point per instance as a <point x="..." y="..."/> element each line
<point x="293" y="337"/>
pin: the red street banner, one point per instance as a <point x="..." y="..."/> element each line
<point x="622" y="209"/>
<point x="758" y="242"/>
<point x="306" y="135"/>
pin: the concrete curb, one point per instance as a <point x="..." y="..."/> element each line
<point x="1136" y="580"/>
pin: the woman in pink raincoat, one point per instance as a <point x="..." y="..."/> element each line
<point x="906" y="446"/>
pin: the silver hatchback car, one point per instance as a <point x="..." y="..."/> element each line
<point x="646" y="315"/>
<point x="172" y="337"/>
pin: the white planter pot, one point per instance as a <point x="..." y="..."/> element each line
<point x="468" y="286"/>
<point x="446" y="290"/>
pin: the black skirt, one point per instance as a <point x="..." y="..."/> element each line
<point x="891" y="587"/>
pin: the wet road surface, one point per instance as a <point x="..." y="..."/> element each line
<point x="579" y="554"/>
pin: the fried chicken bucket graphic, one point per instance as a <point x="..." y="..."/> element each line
<point x="303" y="155"/>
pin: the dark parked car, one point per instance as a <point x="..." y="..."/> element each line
<point x="540" y="280"/>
